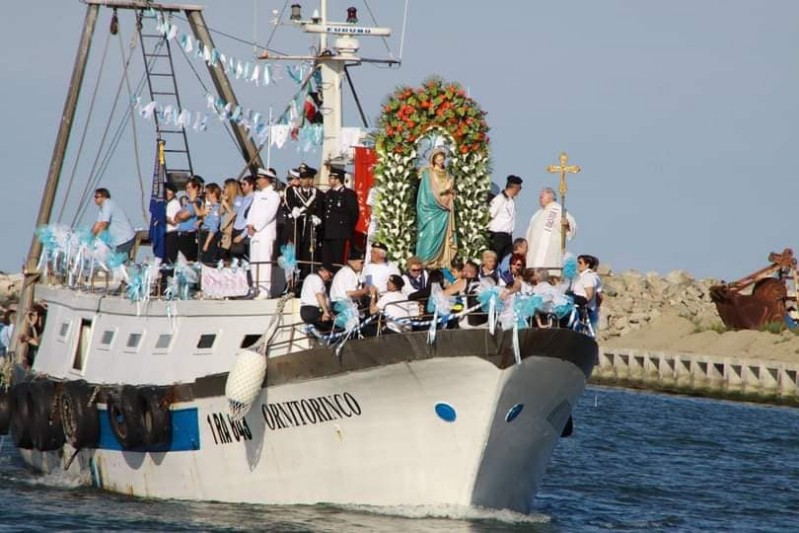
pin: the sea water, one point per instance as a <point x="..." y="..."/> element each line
<point x="636" y="462"/>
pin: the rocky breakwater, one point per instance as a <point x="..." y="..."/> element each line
<point x="634" y="300"/>
<point x="10" y="286"/>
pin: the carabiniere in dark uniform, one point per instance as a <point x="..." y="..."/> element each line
<point x="340" y="217"/>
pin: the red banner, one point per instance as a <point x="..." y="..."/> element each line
<point x="365" y="160"/>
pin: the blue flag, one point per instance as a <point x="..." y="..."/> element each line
<point x="158" y="205"/>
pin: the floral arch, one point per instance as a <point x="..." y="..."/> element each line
<point x="413" y="121"/>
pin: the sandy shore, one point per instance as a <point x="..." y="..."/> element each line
<point x="673" y="333"/>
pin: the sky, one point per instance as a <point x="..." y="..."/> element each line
<point x="682" y="114"/>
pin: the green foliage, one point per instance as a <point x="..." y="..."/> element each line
<point x="410" y="114"/>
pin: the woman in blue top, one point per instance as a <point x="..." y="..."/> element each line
<point x="188" y="221"/>
<point x="209" y="230"/>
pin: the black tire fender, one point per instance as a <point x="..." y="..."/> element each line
<point x="5" y="410"/>
<point x="124" y="416"/>
<point x="20" y="415"/>
<point x="80" y="421"/>
<point x="46" y="431"/>
<point x="156" y="417"/>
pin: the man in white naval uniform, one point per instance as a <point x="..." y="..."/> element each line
<point x="262" y="229"/>
<point x="543" y="233"/>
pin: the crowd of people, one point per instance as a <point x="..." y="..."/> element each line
<point x="249" y="218"/>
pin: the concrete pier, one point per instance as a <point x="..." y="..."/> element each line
<point x="701" y="375"/>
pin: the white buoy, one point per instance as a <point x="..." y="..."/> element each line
<point x="244" y="382"/>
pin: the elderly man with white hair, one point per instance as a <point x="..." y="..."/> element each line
<point x="377" y="272"/>
<point x="544" y="231"/>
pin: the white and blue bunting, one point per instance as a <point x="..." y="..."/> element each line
<point x="249" y="71"/>
<point x="307" y="136"/>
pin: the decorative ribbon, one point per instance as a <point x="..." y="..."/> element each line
<point x="241" y="70"/>
<point x="288" y="261"/>
<point x="490" y="299"/>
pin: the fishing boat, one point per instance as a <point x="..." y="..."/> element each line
<point x="236" y="400"/>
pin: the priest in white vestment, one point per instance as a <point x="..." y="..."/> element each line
<point x="543" y="233"/>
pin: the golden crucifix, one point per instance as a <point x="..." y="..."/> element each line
<point x="563" y="169"/>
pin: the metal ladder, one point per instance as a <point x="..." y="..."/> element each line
<point x="163" y="87"/>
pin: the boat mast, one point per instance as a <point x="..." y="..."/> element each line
<point x="248" y="148"/>
<point x="332" y="63"/>
<point x="29" y="271"/>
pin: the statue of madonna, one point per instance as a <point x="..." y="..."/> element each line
<point x="436" y="242"/>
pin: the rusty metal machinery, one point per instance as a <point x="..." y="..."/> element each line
<point x="766" y="303"/>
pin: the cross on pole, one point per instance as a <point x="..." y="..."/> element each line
<point x="563" y="168"/>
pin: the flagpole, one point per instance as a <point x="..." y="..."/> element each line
<point x="269" y="146"/>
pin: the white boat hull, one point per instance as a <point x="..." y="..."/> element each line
<point x="372" y="436"/>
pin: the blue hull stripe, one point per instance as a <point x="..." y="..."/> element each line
<point x="185" y="433"/>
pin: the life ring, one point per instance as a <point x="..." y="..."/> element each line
<point x="79" y="419"/>
<point x="45" y="416"/>
<point x="125" y="418"/>
<point x="20" y="415"/>
<point x="156" y="417"/>
<point x="5" y="411"/>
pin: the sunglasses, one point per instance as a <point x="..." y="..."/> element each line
<point x="415" y="270"/>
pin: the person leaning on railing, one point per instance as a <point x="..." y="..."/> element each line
<point x="314" y="302"/>
<point x="393" y="305"/>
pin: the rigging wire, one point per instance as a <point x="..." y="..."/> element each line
<point x="95" y="175"/>
<point x="254" y="27"/>
<point x="85" y="130"/>
<point x="402" y="36"/>
<point x="374" y="20"/>
<point x="225" y="123"/>
<point x="133" y="43"/>
<point x="274" y="28"/>
<point x="116" y="138"/>
<point x="239" y="39"/>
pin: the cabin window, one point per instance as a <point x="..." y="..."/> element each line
<point x="133" y="340"/>
<point x="249" y="340"/>
<point x="82" y="349"/>
<point x="206" y="341"/>
<point x="107" y="338"/>
<point x="64" y="329"/>
<point x="163" y="341"/>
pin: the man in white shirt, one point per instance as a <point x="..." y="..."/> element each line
<point x="394" y="305"/>
<point x="503" y="217"/>
<point x="314" y="303"/>
<point x="376" y="273"/>
<point x="172" y="210"/>
<point x="112" y="218"/>
<point x="347" y="281"/>
<point x="262" y="229"/>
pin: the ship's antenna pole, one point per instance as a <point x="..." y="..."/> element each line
<point x="404" y="22"/>
<point x="269" y="143"/>
<point x="53" y="175"/>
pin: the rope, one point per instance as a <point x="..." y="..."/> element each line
<point x="95" y="175"/>
<point x="85" y="129"/>
<point x="374" y="20"/>
<point x="277" y="318"/>
<point x="133" y="42"/>
<point x="239" y="39"/>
